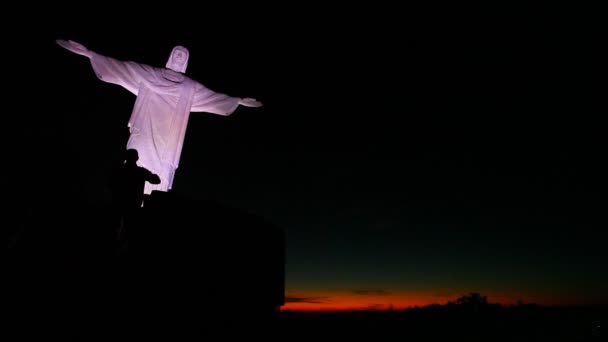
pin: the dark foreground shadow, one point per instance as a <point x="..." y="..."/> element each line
<point x="196" y="270"/>
<point x="190" y="268"/>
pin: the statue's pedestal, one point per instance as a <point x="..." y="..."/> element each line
<point x="187" y="264"/>
<point x="204" y="255"/>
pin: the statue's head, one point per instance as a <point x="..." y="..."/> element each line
<point x="178" y="61"/>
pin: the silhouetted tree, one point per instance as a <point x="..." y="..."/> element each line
<point x="472" y="300"/>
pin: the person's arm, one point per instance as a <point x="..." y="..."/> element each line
<point x="151" y="177"/>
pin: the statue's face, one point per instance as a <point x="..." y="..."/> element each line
<point x="178" y="61"/>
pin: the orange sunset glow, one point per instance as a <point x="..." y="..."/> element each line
<point x="378" y="300"/>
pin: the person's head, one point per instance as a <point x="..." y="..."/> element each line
<point x="131" y="156"/>
<point x="178" y="61"/>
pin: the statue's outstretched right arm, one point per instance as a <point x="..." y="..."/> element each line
<point x="249" y="102"/>
<point x="75" y="47"/>
<point x="124" y="73"/>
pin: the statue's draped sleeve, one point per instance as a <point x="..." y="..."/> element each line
<point x="124" y="73"/>
<point x="206" y="100"/>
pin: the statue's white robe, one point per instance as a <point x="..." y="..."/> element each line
<point x="160" y="115"/>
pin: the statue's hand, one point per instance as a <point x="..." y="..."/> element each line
<point x="74" y="47"/>
<point x="249" y="102"/>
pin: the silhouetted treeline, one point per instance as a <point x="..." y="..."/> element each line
<point x="469" y="318"/>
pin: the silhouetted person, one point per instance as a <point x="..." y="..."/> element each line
<point x="130" y="190"/>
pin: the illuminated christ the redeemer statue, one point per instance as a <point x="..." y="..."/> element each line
<point x="165" y="98"/>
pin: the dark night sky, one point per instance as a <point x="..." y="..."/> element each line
<point x="410" y="156"/>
